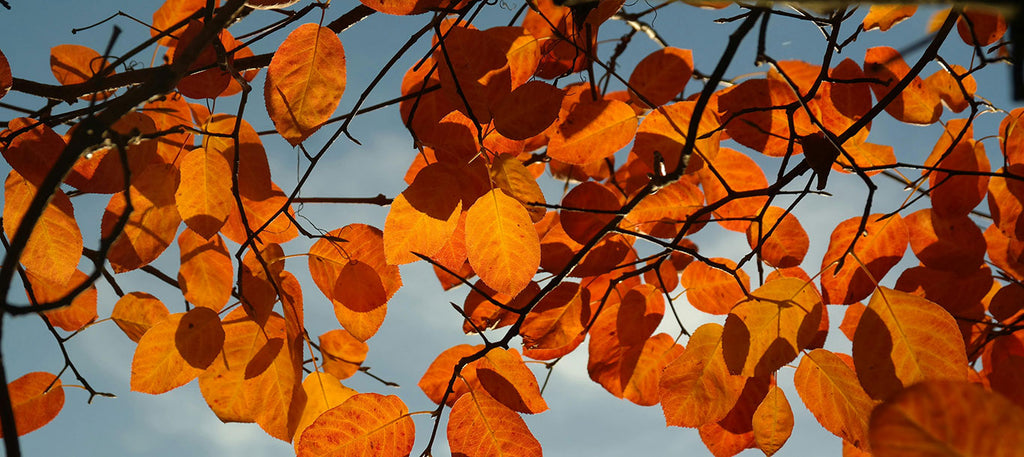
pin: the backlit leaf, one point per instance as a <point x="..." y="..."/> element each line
<point x="473" y="68"/>
<point x="480" y="426"/>
<point x="952" y="243"/>
<point x="980" y="26"/>
<point x="739" y="173"/>
<point x="153" y="222"/>
<point x="36" y="399"/>
<point x="329" y="255"/>
<point x="903" y="339"/>
<point x="75" y="316"/>
<point x="136" y="312"/>
<point x="343" y="354"/>
<point x="305" y="81"/>
<point x="509" y="175"/>
<point x="176" y="350"/>
<point x="423" y="217"/>
<point x="753" y="116"/>
<point x="915" y="104"/>
<point x="6" y="79"/>
<point x="878" y="249"/>
<point x="434" y="382"/>
<point x="34" y="151"/>
<point x="504" y="375"/>
<point x="953" y="193"/>
<point x="323" y="392"/>
<point x="365" y="424"/>
<point x="883" y="17"/>
<point x="712" y="290"/>
<point x="947" y="418"/>
<point x="697" y="388"/>
<point x="662" y="75"/>
<point x="75" y="64"/>
<point x="528" y="110"/>
<point x="55" y="246"/>
<point x="773" y="421"/>
<point x="206" y="274"/>
<point x="769" y="329"/>
<point x="591" y="131"/>
<point x="204" y="196"/>
<point x="788" y="243"/>
<point x="501" y="243"/>
<point x="558" y="318"/>
<point x="829" y="389"/>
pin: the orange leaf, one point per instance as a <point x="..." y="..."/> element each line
<point x="486" y="315"/>
<point x="34" y="152"/>
<point x="323" y="392"/>
<point x="953" y="243"/>
<point x="329" y="255"/>
<point x="137" y="312"/>
<point x="592" y="130"/>
<point x="877" y="250"/>
<point x="75" y="316"/>
<point x="773" y="421"/>
<point x="101" y="170"/>
<point x="663" y="214"/>
<point x="739" y="172"/>
<point x="661" y="76"/>
<point x="434" y="382"/>
<point x="305" y="81"/>
<point x="480" y="426"/>
<point x="207" y="83"/>
<point x="502" y="245"/>
<point x="711" y="290"/>
<point x="945" y="84"/>
<point x="172" y="12"/>
<point x="424" y="216"/>
<point x="1011" y="136"/>
<point x="980" y="26"/>
<point x="176" y="350"/>
<point x="36" y="399"/>
<point x="509" y="175"/>
<point x="204" y="196"/>
<point x="903" y="339"/>
<point x="829" y="389"/>
<point x="753" y="116"/>
<point x="954" y="194"/>
<point x="55" y="246"/>
<point x="206" y="273"/>
<point x="619" y="336"/>
<point x="6" y="79"/>
<point x="592" y="204"/>
<point x="788" y="243"/>
<point x="365" y="424"/>
<point x="883" y="17"/>
<point x="766" y="331"/>
<point x="915" y="104"/>
<point x="947" y="418"/>
<point x="74" y="64"/>
<point x="528" y="110"/>
<point x="697" y="388"/>
<point x="258" y="212"/>
<point x="153" y="222"/>
<point x="504" y="375"/>
<point x="473" y="68"/>
<point x="256" y="378"/>
<point x="558" y="318"/>
<point x="343" y="354"/>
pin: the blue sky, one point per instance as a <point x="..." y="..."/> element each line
<point x="584" y="420"/>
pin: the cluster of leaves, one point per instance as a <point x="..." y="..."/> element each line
<point x="645" y="167"/>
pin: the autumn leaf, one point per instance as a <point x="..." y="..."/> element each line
<point x="930" y="419"/>
<point x="343" y="353"/>
<point x="75" y="316"/>
<point x="75" y="64"/>
<point x="697" y="388"/>
<point x="712" y="290"/>
<point x="36" y="399"/>
<point x="434" y="382"/>
<point x="592" y="130"/>
<point x="914" y="105"/>
<point x="504" y="375"/>
<point x="204" y="197"/>
<point x="884" y="17"/>
<point x="305" y="81"/>
<point x="767" y="330"/>
<point x="365" y="424"/>
<point x="830" y="390"/>
<point x="661" y="76"/>
<point x="423" y="217"/>
<point x="323" y="392"/>
<point x="773" y="421"/>
<point x="176" y="350"/>
<point x="153" y="222"/>
<point x="904" y="339"/>
<point x="6" y="79"/>
<point x="206" y="273"/>
<point x="481" y="426"/>
<point x="136" y="312"/>
<point x="501" y="243"/>
<point x="528" y="110"/>
<point x="55" y="246"/>
<point x="877" y="250"/>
